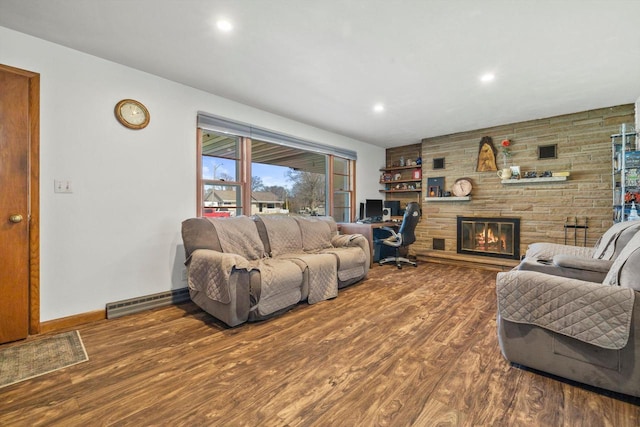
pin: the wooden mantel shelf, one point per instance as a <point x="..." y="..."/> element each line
<point x="547" y="179"/>
<point x="448" y="199"/>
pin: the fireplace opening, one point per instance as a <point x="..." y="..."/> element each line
<point x="494" y="237"/>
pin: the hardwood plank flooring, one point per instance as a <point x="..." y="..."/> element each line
<point x="411" y="347"/>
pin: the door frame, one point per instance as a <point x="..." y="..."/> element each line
<point x="34" y="195"/>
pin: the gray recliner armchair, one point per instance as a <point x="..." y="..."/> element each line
<point x="581" y="330"/>
<point x="591" y="264"/>
<point x="403" y="238"/>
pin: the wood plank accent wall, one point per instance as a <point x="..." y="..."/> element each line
<point x="584" y="149"/>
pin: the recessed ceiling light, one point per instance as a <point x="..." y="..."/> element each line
<point x="486" y="78"/>
<point x="378" y="108"/>
<point x="224" y="25"/>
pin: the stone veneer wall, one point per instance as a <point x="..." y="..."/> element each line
<point x="583" y="148"/>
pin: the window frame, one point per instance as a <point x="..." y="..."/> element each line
<point x="210" y="123"/>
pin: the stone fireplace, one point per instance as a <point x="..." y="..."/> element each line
<point x="493" y="237"/>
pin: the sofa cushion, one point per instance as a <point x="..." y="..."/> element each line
<point x="198" y="233"/>
<point x="239" y="235"/>
<point x="321" y="273"/>
<point x="283" y="234"/>
<point x="316" y="234"/>
<point x="351" y="262"/>
<point x="281" y="284"/>
<point x="262" y="232"/>
<point x="333" y="225"/>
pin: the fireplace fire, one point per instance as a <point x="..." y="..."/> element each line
<point x="494" y="237"/>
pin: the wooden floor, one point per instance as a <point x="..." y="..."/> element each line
<point x="415" y="347"/>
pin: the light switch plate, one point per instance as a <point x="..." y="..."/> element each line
<point x="62" y="186"/>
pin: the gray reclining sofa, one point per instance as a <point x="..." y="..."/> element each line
<point x="251" y="268"/>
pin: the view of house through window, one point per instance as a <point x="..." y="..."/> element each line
<point x="282" y="179"/>
<point x="221" y="180"/>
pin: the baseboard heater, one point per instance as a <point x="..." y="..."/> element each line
<point x="136" y="305"/>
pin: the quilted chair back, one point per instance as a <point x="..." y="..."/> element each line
<point x="614" y="240"/>
<point x="199" y="233"/>
<point x="625" y="270"/>
<point x="409" y="223"/>
<point x="237" y="235"/>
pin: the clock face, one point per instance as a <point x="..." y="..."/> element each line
<point x="132" y="114"/>
<point x="462" y="187"/>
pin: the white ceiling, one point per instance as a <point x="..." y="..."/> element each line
<point x="326" y="63"/>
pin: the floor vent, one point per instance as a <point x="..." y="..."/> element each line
<point x="135" y="305"/>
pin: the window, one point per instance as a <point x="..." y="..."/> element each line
<point x="245" y="170"/>
<point x="293" y="180"/>
<point x="220" y="187"/>
<point x="342" y="189"/>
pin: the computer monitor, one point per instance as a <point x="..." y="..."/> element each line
<point x="373" y="209"/>
<point x="394" y="205"/>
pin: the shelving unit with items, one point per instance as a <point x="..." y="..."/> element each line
<point x="401" y="179"/>
<point x="625" y="166"/>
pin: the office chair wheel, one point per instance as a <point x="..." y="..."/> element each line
<point x="399" y="266"/>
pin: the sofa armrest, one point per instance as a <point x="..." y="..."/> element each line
<point x="548" y="267"/>
<point x="211" y="272"/>
<point x="353" y="240"/>
<point x="547" y="251"/>
<point x="580" y="263"/>
<point x="569" y="307"/>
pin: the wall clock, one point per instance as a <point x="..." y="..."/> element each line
<point x="462" y="187"/>
<point x="132" y="114"/>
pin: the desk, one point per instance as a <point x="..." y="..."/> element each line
<point x="367" y="230"/>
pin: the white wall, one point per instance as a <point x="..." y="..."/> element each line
<point x="117" y="236"/>
<point x="637" y="120"/>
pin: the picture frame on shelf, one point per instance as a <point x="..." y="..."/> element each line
<point x="515" y="172"/>
<point x="436" y="182"/>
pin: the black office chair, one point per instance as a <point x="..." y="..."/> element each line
<point x="404" y="237"/>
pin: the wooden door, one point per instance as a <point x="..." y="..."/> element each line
<point x="15" y="180"/>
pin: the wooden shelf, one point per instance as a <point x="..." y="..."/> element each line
<point x="398" y="168"/>
<point x="400" y="180"/>
<point x="448" y="199"/>
<point x="544" y="180"/>
<point x="416" y="190"/>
